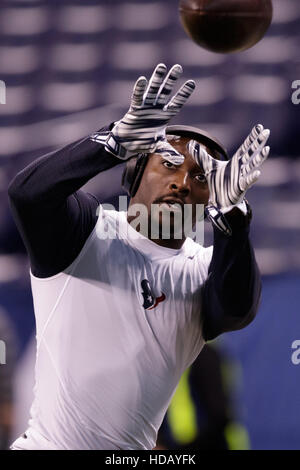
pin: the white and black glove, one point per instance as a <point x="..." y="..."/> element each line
<point x="143" y="126"/>
<point x="228" y="181"/>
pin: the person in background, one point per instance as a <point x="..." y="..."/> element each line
<point x="200" y="415"/>
<point x="7" y="370"/>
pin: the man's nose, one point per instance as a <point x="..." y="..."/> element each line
<point x="180" y="183"/>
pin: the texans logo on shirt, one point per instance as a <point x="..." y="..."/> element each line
<point x="150" y="301"/>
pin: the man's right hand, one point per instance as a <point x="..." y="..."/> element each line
<point x="143" y="126"/>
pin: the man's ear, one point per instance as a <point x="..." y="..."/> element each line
<point x="133" y="173"/>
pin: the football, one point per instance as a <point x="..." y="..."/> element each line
<point x="226" y="26"/>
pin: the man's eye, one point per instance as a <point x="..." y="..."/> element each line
<point x="201" y="178"/>
<point x="168" y="164"/>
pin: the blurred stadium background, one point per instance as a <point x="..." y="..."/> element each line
<point x="69" y="67"/>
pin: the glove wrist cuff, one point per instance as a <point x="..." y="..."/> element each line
<point x="111" y="145"/>
<point x="242" y="206"/>
<point x="218" y="219"/>
<point x="228" y="225"/>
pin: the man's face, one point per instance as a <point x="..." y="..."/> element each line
<point x="162" y="180"/>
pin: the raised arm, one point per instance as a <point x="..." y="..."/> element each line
<point x="232" y="291"/>
<point x="53" y="215"/>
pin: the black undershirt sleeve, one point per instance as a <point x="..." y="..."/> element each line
<point x="232" y="292"/>
<point x="53" y="215"/>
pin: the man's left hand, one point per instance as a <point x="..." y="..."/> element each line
<point x="229" y="181"/>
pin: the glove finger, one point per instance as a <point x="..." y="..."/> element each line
<point x="168" y="84"/>
<point x="194" y="149"/>
<point x="258" y="159"/>
<point x="254" y="134"/>
<point x="248" y="141"/>
<point x="201" y="157"/>
<point x="155" y="83"/>
<point x="181" y="96"/>
<point x="250" y="179"/>
<point x="256" y="147"/>
<point x="138" y="92"/>
<point x="167" y="152"/>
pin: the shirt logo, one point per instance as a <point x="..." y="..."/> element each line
<point x="150" y="302"/>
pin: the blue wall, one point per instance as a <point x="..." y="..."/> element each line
<point x="269" y="397"/>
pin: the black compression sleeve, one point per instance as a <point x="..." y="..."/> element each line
<point x="232" y="291"/>
<point x="52" y="214"/>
